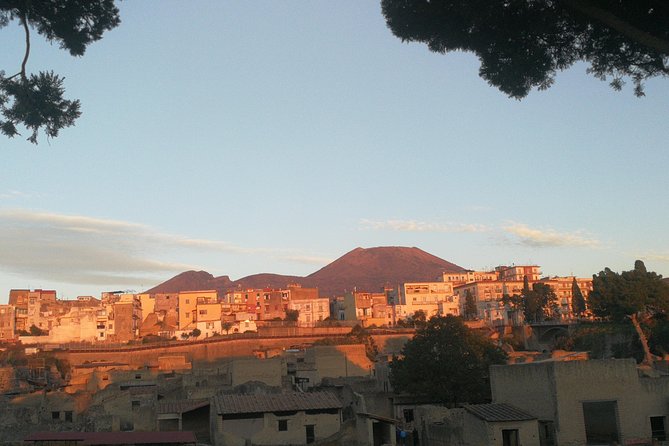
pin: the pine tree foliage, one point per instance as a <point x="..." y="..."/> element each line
<point x="522" y="44"/>
<point x="36" y="101"/>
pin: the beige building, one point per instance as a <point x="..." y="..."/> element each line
<point x="187" y="306"/>
<point x="563" y="287"/>
<point x="7" y="322"/>
<point x="288" y="418"/>
<point x="311" y="310"/>
<point x="460" y="278"/>
<point x="487" y="295"/>
<point x="600" y="402"/>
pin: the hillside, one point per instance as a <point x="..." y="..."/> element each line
<point x="363" y="269"/>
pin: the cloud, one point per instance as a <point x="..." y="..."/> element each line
<point x="541" y="238"/>
<point x="77" y="249"/>
<point x="14" y="194"/>
<point x="420" y="226"/>
<point x="657" y="257"/>
<point x="93" y="251"/>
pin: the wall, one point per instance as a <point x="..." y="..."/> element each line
<point x="556" y="391"/>
<point x="212" y="349"/>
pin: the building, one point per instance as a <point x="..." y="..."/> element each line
<point x="282" y="418"/>
<point x="487" y="295"/>
<point x="563" y="287"/>
<point x="460" y="278"/>
<point x="7" y="323"/>
<point x="589" y="402"/>
<point x="187" y="306"/>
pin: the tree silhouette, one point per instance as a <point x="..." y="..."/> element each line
<point x="446" y="362"/>
<point x="577" y="299"/>
<point x="523" y="43"/>
<point x="35" y="101"/>
<point x="636" y="295"/>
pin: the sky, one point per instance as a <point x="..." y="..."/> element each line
<point x="275" y="136"/>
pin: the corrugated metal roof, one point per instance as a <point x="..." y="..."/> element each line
<point x="277" y="402"/>
<point x="116" y="438"/>
<point x="180" y="406"/>
<point x="499" y="412"/>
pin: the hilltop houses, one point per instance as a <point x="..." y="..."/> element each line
<point x="38" y="316"/>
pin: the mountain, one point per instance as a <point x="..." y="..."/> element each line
<point x="192" y="281"/>
<point x="363" y="269"/>
<point x="373" y="268"/>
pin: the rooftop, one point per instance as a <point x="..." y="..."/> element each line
<point x="279" y="402"/>
<point x="498" y="412"/>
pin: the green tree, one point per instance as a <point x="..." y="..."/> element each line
<point x="577" y="299"/>
<point x="471" y="311"/>
<point x="521" y="44"/>
<point x="36" y="331"/>
<point x="226" y="325"/>
<point x="530" y="303"/>
<point x="419" y="319"/>
<point x="196" y="333"/>
<point x="547" y="301"/>
<point x="447" y="362"/>
<point x="35" y="101"/>
<point x="292" y="315"/>
<point x="637" y="295"/>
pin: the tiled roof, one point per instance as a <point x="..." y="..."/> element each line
<point x="180" y="406"/>
<point x="499" y="412"/>
<point x="115" y="438"/>
<point x="277" y="402"/>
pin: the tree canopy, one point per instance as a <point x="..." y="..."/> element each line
<point x="36" y="101"/>
<point x="522" y="44"/>
<point x="636" y="295"/>
<point x="446" y="362"/>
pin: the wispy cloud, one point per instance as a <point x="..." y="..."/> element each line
<point x="547" y="237"/>
<point x="657" y="257"/>
<point x="420" y="226"/>
<point x="14" y="194"/>
<point x="86" y="250"/>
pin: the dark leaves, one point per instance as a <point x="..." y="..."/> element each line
<point x="36" y="103"/>
<point x="522" y="44"/>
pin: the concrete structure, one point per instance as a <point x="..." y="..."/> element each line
<point x="588" y="402"/>
<point x="460" y="278"/>
<point x="7" y="322"/>
<point x="288" y="418"/>
<point x="187" y="306"/>
<point x="311" y="310"/>
<point x="487" y="295"/>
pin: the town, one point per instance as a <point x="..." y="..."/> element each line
<point x="288" y="366"/>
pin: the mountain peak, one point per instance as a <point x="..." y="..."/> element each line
<point x="366" y="269"/>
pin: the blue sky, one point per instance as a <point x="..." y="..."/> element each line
<point x="247" y="137"/>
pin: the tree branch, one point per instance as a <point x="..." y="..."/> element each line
<point x="614" y="22"/>
<point x="24" y="22"/>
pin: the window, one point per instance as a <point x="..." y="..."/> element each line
<point x="68" y="415"/>
<point x="203" y="312"/>
<point x="187" y="301"/>
<point x="408" y="415"/>
<point x="138" y="376"/>
<point x="283" y="425"/>
<point x="658" y="431"/>
<point x="135" y="404"/>
<point x="55" y="415"/>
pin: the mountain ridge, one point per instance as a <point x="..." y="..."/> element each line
<point x="364" y="269"/>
